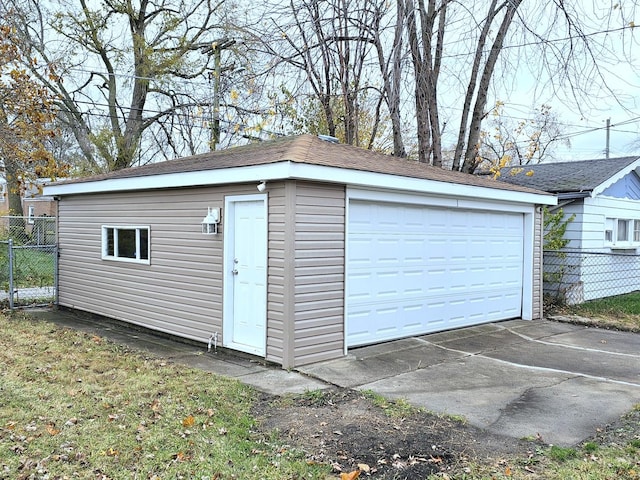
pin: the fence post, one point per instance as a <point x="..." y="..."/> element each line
<point x="10" y="254"/>
<point x="55" y="273"/>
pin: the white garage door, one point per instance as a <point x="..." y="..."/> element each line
<point x="415" y="269"/>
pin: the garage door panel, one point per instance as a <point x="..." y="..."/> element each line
<point x="441" y="314"/>
<point x="416" y="269"/>
<point x="379" y="283"/>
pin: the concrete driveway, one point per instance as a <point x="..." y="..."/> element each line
<point x="520" y="378"/>
<point x="517" y="378"/>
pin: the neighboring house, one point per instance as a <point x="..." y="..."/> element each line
<point x="39" y="210"/>
<point x="604" y="237"/>
<point x="34" y="204"/>
<point x="4" y="198"/>
<point x="310" y="248"/>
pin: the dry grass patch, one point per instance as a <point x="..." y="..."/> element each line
<point x="77" y="406"/>
<point x="621" y="312"/>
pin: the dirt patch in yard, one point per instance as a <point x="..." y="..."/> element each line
<point x="346" y="429"/>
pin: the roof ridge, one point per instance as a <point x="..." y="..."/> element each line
<point x="574" y="162"/>
<point x="300" y="148"/>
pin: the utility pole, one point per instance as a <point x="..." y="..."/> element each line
<point x="606" y="150"/>
<point x="216" y="48"/>
<point x="215" y="122"/>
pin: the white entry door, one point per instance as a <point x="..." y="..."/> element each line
<point x="245" y="279"/>
<point x="416" y="269"/>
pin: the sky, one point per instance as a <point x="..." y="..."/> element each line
<point x="615" y="97"/>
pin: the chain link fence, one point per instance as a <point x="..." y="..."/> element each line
<point x="576" y="276"/>
<point x="28" y="261"/>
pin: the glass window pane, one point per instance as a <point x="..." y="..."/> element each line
<point x="144" y="244"/>
<point x="109" y="243"/>
<point x="623" y="231"/>
<point x="126" y="243"/>
<point x="608" y="230"/>
<point x="636" y="230"/>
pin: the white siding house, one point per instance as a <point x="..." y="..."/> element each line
<point x="603" y="195"/>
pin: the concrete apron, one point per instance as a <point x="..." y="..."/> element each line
<point x="557" y="381"/>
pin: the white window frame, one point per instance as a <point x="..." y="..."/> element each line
<point x="116" y="228"/>
<point x="3" y="191"/>
<point x="613" y="230"/>
<point x="31" y="214"/>
<point x="609" y="227"/>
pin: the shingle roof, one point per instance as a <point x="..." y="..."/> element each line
<point x="304" y="149"/>
<point x="566" y="177"/>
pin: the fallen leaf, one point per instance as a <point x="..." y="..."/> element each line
<point x="507" y="471"/>
<point x="350" y="475"/>
<point x="52" y="430"/>
<point x="364" y="467"/>
<point x="181" y="457"/>
<point x="189" y="421"/>
<point x="222" y="431"/>
<point x="112" y="452"/>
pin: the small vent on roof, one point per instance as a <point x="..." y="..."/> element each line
<point x="328" y="138"/>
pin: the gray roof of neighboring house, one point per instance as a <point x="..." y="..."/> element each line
<point x="566" y="177"/>
<point x="307" y="149"/>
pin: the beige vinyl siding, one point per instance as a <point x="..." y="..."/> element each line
<point x="179" y="293"/>
<point x="537" y="264"/>
<point x="280" y="273"/>
<point x="319" y="272"/>
<point x="305" y="297"/>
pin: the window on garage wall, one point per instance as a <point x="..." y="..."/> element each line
<point x="126" y="243"/>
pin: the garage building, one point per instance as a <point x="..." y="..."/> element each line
<point x="297" y="249"/>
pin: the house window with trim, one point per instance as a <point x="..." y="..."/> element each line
<point x="32" y="214"/>
<point x="608" y="231"/>
<point x="622" y="233"/>
<point x="2" y="191"/>
<point x="125" y="243"/>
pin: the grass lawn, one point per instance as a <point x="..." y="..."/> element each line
<point x="33" y="267"/>
<point x="75" y="406"/>
<point x="620" y="312"/>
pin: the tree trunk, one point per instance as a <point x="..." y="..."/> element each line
<point x="421" y="86"/>
<point x="471" y="88"/>
<point x="470" y="162"/>
<point x="17" y="226"/>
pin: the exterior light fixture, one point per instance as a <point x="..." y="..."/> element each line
<point x="262" y="186"/>
<point x="211" y="221"/>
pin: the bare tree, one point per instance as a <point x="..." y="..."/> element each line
<point x="324" y="49"/>
<point x="127" y="75"/>
<point x="450" y="58"/>
<point x="520" y="142"/>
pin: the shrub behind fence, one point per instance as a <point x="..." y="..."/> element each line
<point x="28" y="260"/>
<point x="575" y="276"/>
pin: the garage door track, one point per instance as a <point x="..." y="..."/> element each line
<point x="555" y="381"/>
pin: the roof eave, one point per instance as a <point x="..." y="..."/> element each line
<point x="295" y="170"/>
<point x="597" y="190"/>
<point x="573" y="195"/>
